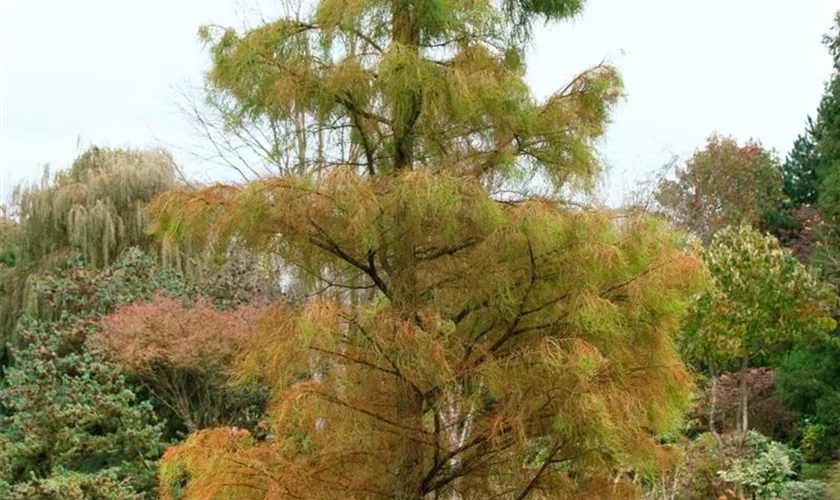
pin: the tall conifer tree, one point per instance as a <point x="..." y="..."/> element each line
<point x="826" y="130"/>
<point x="512" y="347"/>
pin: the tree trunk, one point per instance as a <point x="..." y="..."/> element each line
<point x="409" y="478"/>
<point x="743" y="406"/>
<point x="457" y="417"/>
<point x="405" y="31"/>
<point x="713" y="402"/>
<point x="409" y="402"/>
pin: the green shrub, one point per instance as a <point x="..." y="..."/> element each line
<point x="71" y="426"/>
<point x="809" y="384"/>
<point x="804" y="490"/>
<point x="759" y="444"/>
<point x="765" y="476"/>
<point x="817" y="444"/>
<point x="73" y="486"/>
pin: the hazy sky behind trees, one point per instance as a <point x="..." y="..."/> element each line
<point x="110" y="73"/>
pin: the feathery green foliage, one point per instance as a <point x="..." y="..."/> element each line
<point x="436" y="84"/>
<point x="509" y="347"/>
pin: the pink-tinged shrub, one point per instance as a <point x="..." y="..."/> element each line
<point x="183" y="353"/>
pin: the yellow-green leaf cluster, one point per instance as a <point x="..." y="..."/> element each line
<point x="763" y="298"/>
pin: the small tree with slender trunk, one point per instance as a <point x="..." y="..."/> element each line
<point x="764" y="300"/>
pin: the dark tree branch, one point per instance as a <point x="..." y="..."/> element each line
<point x="432" y="254"/>
<point x="373" y="415"/>
<point x="535" y="480"/>
<point x="357" y="361"/>
<point x="366" y="146"/>
<point x="326" y="243"/>
<point x="634" y="278"/>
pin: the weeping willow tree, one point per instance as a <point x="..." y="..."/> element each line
<point x="95" y="207"/>
<point x="94" y="210"/>
<point x="513" y="347"/>
<point x="12" y="282"/>
<point x="8" y="234"/>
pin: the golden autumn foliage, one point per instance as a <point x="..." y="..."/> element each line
<point x="508" y="347"/>
<point x="519" y="327"/>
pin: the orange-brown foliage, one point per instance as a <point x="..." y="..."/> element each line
<point x="529" y="326"/>
<point x="508" y="348"/>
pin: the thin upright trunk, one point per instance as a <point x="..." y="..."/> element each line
<point x="409" y="477"/>
<point x="713" y="402"/>
<point x="457" y="421"/>
<point x="744" y="424"/>
<point x="406" y="109"/>
<point x="300" y="132"/>
<point x="409" y="403"/>
<point x="317" y="377"/>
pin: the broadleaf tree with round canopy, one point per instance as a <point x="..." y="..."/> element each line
<point x="763" y="301"/>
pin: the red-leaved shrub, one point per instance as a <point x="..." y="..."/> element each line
<point x="183" y="353"/>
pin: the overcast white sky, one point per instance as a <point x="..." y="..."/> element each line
<point x="107" y="72"/>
